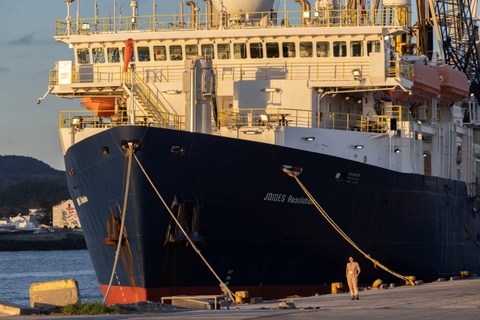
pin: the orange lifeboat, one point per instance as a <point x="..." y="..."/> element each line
<point x="102" y="106"/>
<point x="426" y="85"/>
<point x="454" y="85"/>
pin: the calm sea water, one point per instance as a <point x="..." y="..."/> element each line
<point x="19" y="269"/>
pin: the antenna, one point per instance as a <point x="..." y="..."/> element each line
<point x="68" y="18"/>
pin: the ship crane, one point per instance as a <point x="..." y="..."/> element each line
<point x="457" y="32"/>
<point x="459" y="35"/>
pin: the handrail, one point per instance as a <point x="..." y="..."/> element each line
<point x="323" y="71"/>
<point x="344" y="17"/>
<point x="270" y="117"/>
<point x="149" y="100"/>
<point x="252" y="117"/>
<point x="82" y="119"/>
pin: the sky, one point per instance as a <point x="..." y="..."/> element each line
<point x="27" y="53"/>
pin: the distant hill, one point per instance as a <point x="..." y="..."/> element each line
<point x="26" y="182"/>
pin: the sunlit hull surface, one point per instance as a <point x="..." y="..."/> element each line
<point x="251" y="221"/>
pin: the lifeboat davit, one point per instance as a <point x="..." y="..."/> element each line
<point x="102" y="106"/>
<point x="454" y="85"/>
<point x="426" y="85"/>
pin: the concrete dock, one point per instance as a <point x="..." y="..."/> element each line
<point x="453" y="299"/>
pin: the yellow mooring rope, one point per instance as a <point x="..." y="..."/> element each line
<point x="223" y="286"/>
<point x="340" y="231"/>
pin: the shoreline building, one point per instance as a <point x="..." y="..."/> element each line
<point x="64" y="215"/>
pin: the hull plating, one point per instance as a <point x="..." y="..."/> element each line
<point x="259" y="230"/>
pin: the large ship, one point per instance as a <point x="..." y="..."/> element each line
<point x="253" y="145"/>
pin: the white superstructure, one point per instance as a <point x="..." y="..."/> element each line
<point x="325" y="78"/>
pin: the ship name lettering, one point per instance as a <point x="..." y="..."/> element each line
<point x="301" y="200"/>
<point x="275" y="197"/>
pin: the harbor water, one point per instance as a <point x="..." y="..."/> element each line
<point x="19" y="269"/>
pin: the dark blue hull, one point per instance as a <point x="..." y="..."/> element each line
<point x="259" y="230"/>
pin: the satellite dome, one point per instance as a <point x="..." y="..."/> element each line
<point x="396" y="3"/>
<point x="236" y="6"/>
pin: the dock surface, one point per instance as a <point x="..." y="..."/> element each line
<point x="453" y="299"/>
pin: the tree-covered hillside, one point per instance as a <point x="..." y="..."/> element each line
<point x="26" y="183"/>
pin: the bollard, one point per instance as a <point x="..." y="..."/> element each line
<point x="336" y="286"/>
<point x="240" y="295"/>
<point x="412" y="278"/>
<point x="58" y="293"/>
<point x="377" y="283"/>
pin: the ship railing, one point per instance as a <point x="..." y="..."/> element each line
<point x="149" y="73"/>
<point x="271" y="117"/>
<point x="264" y="117"/>
<point x="326" y="17"/>
<point x="149" y="100"/>
<point x="376" y="124"/>
<point x="82" y="119"/>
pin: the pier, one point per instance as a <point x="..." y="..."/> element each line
<point x="451" y="299"/>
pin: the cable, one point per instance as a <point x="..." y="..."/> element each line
<point x="340" y="231"/>
<point x="122" y="226"/>
<point x="223" y="286"/>
<point x="460" y="218"/>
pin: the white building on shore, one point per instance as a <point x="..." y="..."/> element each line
<point x="64" y="215"/>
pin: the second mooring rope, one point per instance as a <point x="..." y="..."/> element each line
<point x="223" y="286"/>
<point x="343" y="234"/>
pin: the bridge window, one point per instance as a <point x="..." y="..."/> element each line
<point x="159" y="53"/>
<point x="176" y="53"/>
<point x="98" y="55"/>
<point x="288" y="49"/>
<point x="356" y="48"/>
<point x="83" y="55"/>
<point x="239" y="50"/>
<point x="113" y="55"/>
<point x="323" y="49"/>
<point x="373" y="46"/>
<point x="256" y="50"/>
<point x="272" y="50"/>
<point x="207" y="50"/>
<point x="339" y="49"/>
<point x="143" y="53"/>
<point x="191" y="50"/>
<point x="306" y="50"/>
<point x="223" y="50"/>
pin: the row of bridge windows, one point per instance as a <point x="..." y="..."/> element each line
<point x="224" y="51"/>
